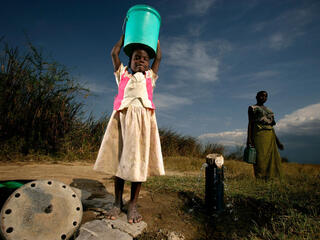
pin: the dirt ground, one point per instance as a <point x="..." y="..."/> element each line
<point x="163" y="212"/>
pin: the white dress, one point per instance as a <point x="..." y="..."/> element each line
<point x="131" y="147"/>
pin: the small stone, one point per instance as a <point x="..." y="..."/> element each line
<point x="229" y="205"/>
<point x="98" y="210"/>
<point x="175" y="236"/>
<point x="122" y="224"/>
<point x="99" y="230"/>
<point x="99" y="202"/>
<point x="100" y="217"/>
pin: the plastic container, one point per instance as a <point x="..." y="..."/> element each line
<point x="250" y="155"/>
<point x="142" y="28"/>
<point x="11" y="184"/>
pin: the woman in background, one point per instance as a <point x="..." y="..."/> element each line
<point x="262" y="137"/>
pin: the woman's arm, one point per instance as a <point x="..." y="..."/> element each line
<point x="115" y="53"/>
<point x="250" y="128"/>
<point x="157" y="60"/>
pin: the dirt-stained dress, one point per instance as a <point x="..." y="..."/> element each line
<point x="131" y="147"/>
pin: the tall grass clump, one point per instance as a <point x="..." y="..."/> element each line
<point x="83" y="141"/>
<point x="38" y="104"/>
<point x="175" y="144"/>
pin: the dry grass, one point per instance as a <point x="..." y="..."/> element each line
<point x="254" y="209"/>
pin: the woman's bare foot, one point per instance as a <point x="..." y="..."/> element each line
<point x="133" y="215"/>
<point x="113" y="213"/>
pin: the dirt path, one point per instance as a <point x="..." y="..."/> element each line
<point x="162" y="211"/>
<point x="61" y="171"/>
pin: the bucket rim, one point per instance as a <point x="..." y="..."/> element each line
<point x="144" y="7"/>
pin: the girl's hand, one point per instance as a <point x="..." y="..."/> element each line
<point x="157" y="59"/>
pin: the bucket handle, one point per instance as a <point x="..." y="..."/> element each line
<point x="125" y="20"/>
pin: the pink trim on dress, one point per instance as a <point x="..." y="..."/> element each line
<point x="122" y="85"/>
<point x="150" y="90"/>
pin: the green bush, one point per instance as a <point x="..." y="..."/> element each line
<point x="37" y="101"/>
<point x="174" y="144"/>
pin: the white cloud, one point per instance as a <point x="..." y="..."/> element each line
<point x="304" y="121"/>
<point x="255" y="82"/>
<point x="195" y="8"/>
<point x="278" y="41"/>
<point x="257" y="76"/>
<point x="195" y="29"/>
<point x="228" y="138"/>
<point x="199" y="7"/>
<point x="97" y="85"/>
<point x="191" y="59"/>
<point x="97" y="88"/>
<point x="286" y="28"/>
<point x="168" y="101"/>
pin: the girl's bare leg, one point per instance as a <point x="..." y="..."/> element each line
<point x="133" y="214"/>
<point x="118" y="204"/>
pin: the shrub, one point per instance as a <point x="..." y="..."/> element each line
<point x="37" y="101"/>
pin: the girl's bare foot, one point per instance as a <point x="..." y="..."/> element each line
<point x="133" y="214"/>
<point x="113" y="213"/>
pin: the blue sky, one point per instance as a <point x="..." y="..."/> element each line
<point x="216" y="55"/>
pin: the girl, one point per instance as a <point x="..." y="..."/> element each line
<point x="262" y="136"/>
<point x="130" y="149"/>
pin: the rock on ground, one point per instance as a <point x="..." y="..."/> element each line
<point x="122" y="224"/>
<point x="99" y="230"/>
<point x="175" y="236"/>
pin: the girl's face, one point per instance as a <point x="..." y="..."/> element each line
<point x="139" y="61"/>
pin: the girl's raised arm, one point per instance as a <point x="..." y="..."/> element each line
<point x="157" y="60"/>
<point x="115" y="53"/>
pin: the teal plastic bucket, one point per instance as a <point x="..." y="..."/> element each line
<point x="142" y="28"/>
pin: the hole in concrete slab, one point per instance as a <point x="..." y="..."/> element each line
<point x="33" y="185"/>
<point x="8" y="211"/>
<point x="48" y="209"/>
<point x="9" y="230"/>
<point x="73" y="195"/>
<point x="78" y="208"/>
<point x="49" y="182"/>
<point x="17" y="195"/>
<point x="63" y="236"/>
<point x="64" y="186"/>
<point x="74" y="223"/>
